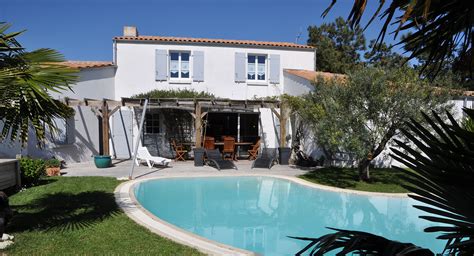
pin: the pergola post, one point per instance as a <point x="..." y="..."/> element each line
<point x="105" y="128"/>
<point x="198" y="125"/>
<point x="283" y="120"/>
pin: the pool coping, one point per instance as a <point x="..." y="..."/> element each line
<point x="125" y="199"/>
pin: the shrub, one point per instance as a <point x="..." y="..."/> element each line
<point x="31" y="170"/>
<point x="52" y="163"/>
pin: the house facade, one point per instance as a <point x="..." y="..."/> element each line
<point x="228" y="69"/>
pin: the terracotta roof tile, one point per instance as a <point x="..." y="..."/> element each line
<point x="211" y="41"/>
<point x="311" y="74"/>
<point x="87" y="64"/>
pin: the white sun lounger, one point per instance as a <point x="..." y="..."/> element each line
<point x="144" y="155"/>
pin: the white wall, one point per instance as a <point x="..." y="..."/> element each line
<point x="295" y="85"/>
<point x="136" y="69"/>
<point x="96" y="83"/>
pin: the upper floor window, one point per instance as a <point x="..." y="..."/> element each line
<point x="256" y="67"/>
<point x="179" y="65"/>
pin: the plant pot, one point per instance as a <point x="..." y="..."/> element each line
<point x="53" y="171"/>
<point x="284" y="155"/>
<point x="102" y="161"/>
<point x="198" y="157"/>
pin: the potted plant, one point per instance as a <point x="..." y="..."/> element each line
<point x="53" y="167"/>
<point x="102" y="161"/>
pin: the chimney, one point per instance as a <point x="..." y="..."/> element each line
<point x="130" y="31"/>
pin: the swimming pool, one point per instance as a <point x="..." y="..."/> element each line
<point x="258" y="213"/>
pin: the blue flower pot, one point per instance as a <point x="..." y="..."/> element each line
<point x="102" y="161"/>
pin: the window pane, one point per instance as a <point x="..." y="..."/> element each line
<point x="261" y="71"/>
<point x="184" y="56"/>
<point x="251" y="71"/>
<point x="185" y="68"/>
<point x="174" y="56"/>
<point x="251" y="59"/>
<point x="174" y="68"/>
<point x="261" y="59"/>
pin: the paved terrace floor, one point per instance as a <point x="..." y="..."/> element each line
<point x="122" y="168"/>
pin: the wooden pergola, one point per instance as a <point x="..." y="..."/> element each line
<point x="198" y="108"/>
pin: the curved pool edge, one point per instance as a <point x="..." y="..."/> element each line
<point x="125" y="199"/>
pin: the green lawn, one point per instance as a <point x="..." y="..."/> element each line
<point x="383" y="179"/>
<point x="78" y="215"/>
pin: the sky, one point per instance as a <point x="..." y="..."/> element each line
<point x="83" y="30"/>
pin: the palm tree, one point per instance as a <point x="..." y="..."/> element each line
<point x="26" y="78"/>
<point x="439" y="28"/>
<point x="442" y="178"/>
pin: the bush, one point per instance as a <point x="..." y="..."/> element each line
<point x="31" y="170"/>
<point x="52" y="163"/>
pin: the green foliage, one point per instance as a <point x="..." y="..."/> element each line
<point x="362" y="113"/>
<point x="184" y="93"/>
<point x="381" y="55"/>
<point x="52" y="163"/>
<point x="468" y="124"/>
<point x="338" y="46"/>
<point x="26" y="78"/>
<point x="31" y="170"/>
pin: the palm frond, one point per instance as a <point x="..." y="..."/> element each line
<point x="361" y="243"/>
<point x="26" y="79"/>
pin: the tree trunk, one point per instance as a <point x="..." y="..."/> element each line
<point x="364" y="169"/>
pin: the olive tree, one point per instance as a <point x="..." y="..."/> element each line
<point x="361" y="112"/>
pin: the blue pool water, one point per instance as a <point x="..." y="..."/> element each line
<point x="258" y="213"/>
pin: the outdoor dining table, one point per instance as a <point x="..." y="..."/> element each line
<point x="220" y="143"/>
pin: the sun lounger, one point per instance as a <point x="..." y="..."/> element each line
<point x="144" y="155"/>
<point x="214" y="158"/>
<point x="266" y="159"/>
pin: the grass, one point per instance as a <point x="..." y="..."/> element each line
<point x="78" y="215"/>
<point x="383" y="179"/>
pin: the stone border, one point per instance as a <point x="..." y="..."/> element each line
<point x="126" y="200"/>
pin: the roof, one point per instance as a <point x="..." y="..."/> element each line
<point x="87" y="64"/>
<point x="187" y="40"/>
<point x="311" y="74"/>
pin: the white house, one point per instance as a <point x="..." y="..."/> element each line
<point x="229" y="69"/>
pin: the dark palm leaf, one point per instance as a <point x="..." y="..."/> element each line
<point x="361" y="243"/>
<point x="444" y="164"/>
<point x="439" y="27"/>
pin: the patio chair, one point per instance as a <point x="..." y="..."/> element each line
<point x="229" y="148"/>
<point x="209" y="143"/>
<point x="180" y="151"/>
<point x="253" y="151"/>
<point x="266" y="159"/>
<point x="214" y="159"/>
<point x="144" y="155"/>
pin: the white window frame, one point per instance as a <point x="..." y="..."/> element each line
<point x="256" y="81"/>
<point x="179" y="79"/>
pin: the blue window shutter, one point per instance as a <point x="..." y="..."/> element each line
<point x="275" y="69"/>
<point x="161" y="65"/>
<point x="240" y="67"/>
<point x="198" y="66"/>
